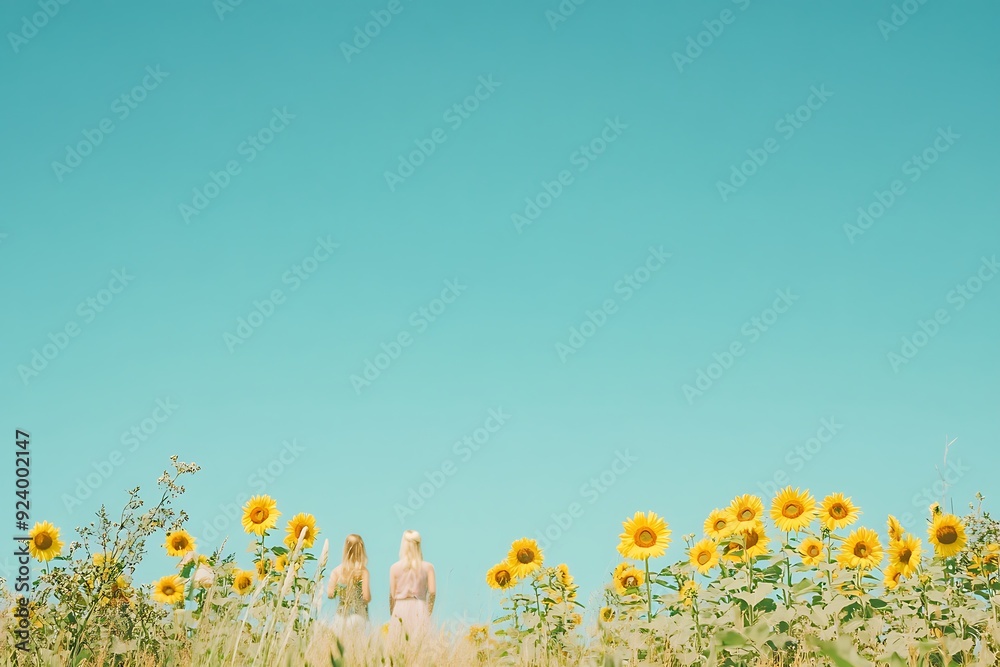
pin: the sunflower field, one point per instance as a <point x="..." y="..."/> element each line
<point x="795" y="583"/>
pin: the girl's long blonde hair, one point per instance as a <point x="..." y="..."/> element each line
<point x="355" y="559"/>
<point x="410" y="553"/>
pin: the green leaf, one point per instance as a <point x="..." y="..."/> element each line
<point x="840" y="652"/>
<point x="731" y="638"/>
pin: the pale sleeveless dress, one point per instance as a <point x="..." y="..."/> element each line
<point x="352" y="611"/>
<point x="410" y="607"/>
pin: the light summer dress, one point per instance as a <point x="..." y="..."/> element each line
<point x="410" y="611"/>
<point x="352" y="611"/>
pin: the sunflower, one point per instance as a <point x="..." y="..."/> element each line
<point x="280" y="563"/>
<point x="753" y="539"/>
<point x="478" y="634"/>
<point x="688" y="592"/>
<point x="904" y="555"/>
<point x="947" y="534"/>
<point x="242" y="581"/>
<point x="501" y="576"/>
<point x="295" y="526"/>
<point x="895" y="529"/>
<point x="179" y="543"/>
<point x="745" y="511"/>
<point x="524" y="557"/>
<point x="793" y="510"/>
<point x="607" y="614"/>
<point x="838" y="512"/>
<point x="811" y="550"/>
<point x="263" y="567"/>
<point x="718" y="525"/>
<point x="627" y="578"/>
<point x="169" y="589"/>
<point x="260" y="515"/>
<point x="704" y="556"/>
<point x="644" y="536"/>
<point x="861" y="550"/>
<point x="563" y="576"/>
<point x="892" y="577"/>
<point x="44" y="542"/>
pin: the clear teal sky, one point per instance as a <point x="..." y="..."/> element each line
<point x="632" y="140"/>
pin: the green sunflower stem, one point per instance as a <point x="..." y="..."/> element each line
<point x="649" y="592"/>
<point x="788" y="574"/>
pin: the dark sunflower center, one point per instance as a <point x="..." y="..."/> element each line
<point x="180" y="542"/>
<point x="947" y="535"/>
<point x="525" y="556"/>
<point x="645" y="538"/>
<point x="503" y="577"/>
<point x="168" y="589"/>
<point x="792" y="510"/>
<point x="751" y="539"/>
<point x="812" y="550"/>
<point x="258" y="515"/>
<point x="838" y="511"/>
<point x="720" y="524"/>
<point x="746" y="514"/>
<point x="631" y="581"/>
<point x="703" y="558"/>
<point x="43" y="541"/>
<point x="905" y="555"/>
<point x="861" y="550"/>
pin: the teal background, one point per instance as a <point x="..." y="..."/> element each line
<point x="323" y="176"/>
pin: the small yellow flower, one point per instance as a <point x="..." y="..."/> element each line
<point x="704" y="555"/>
<point x="892" y="578"/>
<point x="44" y="543"/>
<point x="747" y="544"/>
<point x="745" y="512"/>
<point x="607" y="614"/>
<point x="501" y="576"/>
<point x="895" y="529"/>
<point x="524" y="557"/>
<point x="793" y="510"/>
<point x="688" y="592"/>
<point x="242" y="581"/>
<point x="179" y="543"/>
<point x="644" y="536"/>
<point x="718" y="525"/>
<point x="904" y="555"/>
<point x="280" y="563"/>
<point x="811" y="550"/>
<point x="862" y="550"/>
<point x="296" y="525"/>
<point x="263" y="567"/>
<point x="260" y="514"/>
<point x="478" y="634"/>
<point x="947" y="534"/>
<point x="838" y="512"/>
<point x="169" y="589"/>
<point x="629" y="578"/>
